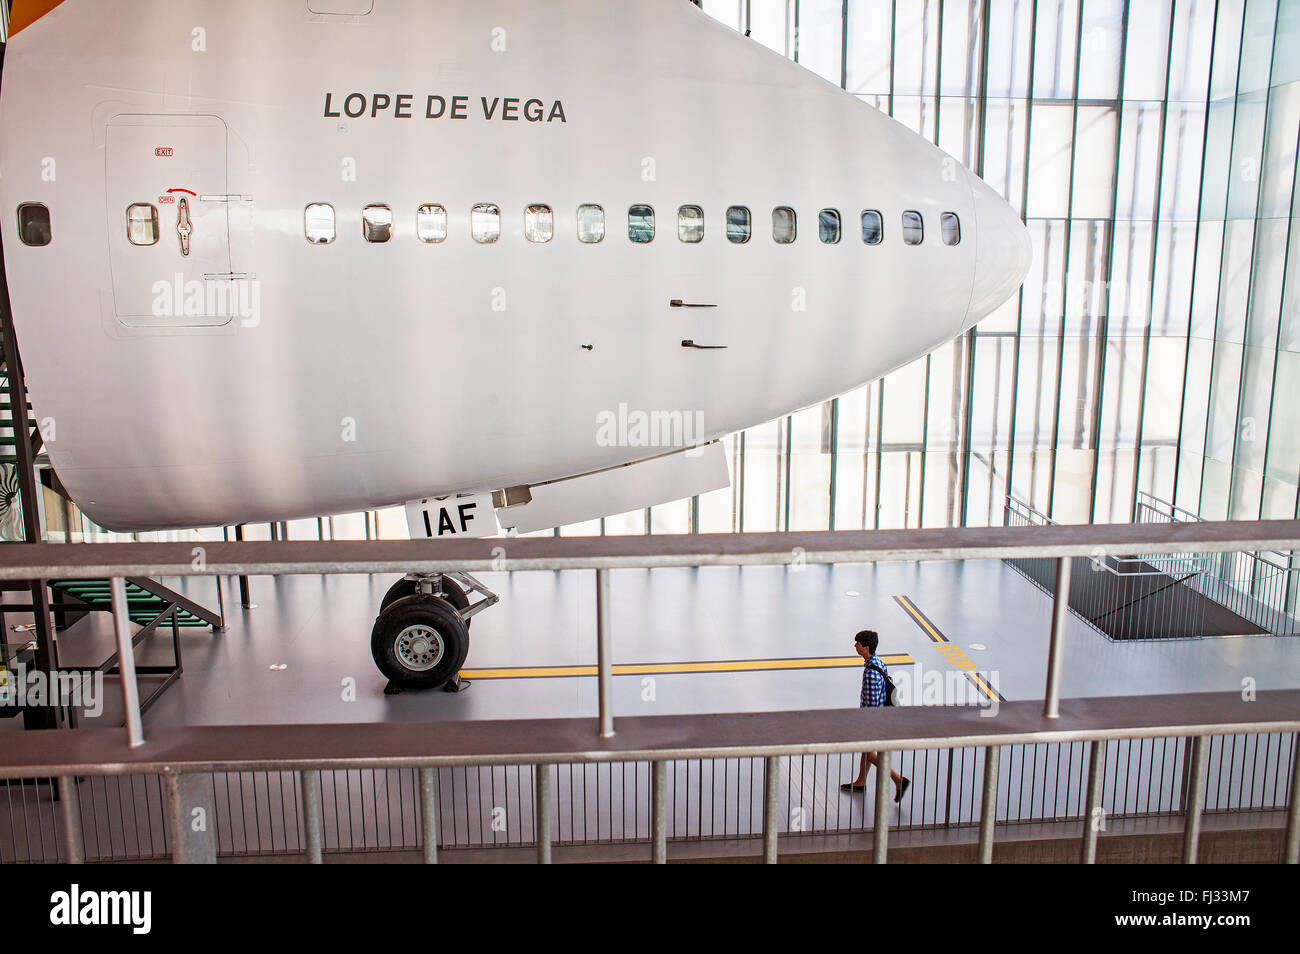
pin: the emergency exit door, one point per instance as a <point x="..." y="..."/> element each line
<point x="168" y="220"/>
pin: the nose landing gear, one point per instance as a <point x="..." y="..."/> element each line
<point x="421" y="637"/>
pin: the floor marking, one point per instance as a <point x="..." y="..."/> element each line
<point x="936" y="636"/>
<point x="683" y="668"/>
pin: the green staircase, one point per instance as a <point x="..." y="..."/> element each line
<point x="142" y="606"/>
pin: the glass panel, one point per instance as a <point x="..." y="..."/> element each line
<point x="539" y="223"/>
<point x="591" y="224"/>
<point x="377" y="223"/>
<point x="828" y="226"/>
<point x="142" y="224"/>
<point x="738" y="224"/>
<point x="485" y="223"/>
<point x="431" y="223"/>
<point x="641" y="224"/>
<point x="34" y="224"/>
<point x="873" y="227"/>
<point x="913" y="230"/>
<point x="690" y="224"/>
<point x="783" y="225"/>
<point x="950" y="228"/>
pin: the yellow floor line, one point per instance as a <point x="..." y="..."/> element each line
<point x="678" y="668"/>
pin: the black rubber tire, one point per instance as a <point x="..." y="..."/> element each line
<point x="436" y="614"/>
<point x="403" y="588"/>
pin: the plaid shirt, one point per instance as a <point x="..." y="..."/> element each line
<point x="873" y="683"/>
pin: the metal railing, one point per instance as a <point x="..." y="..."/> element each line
<point x="1167" y="595"/>
<point x="280" y="788"/>
<point x="1258" y="585"/>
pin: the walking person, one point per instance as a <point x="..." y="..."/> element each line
<point x="874" y="695"/>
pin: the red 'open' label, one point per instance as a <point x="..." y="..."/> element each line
<point x="166" y="199"/>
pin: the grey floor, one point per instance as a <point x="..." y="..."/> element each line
<point x="318" y="629"/>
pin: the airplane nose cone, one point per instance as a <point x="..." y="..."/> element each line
<point x="1002" y="251"/>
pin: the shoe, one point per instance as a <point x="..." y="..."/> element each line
<point x="850" y="787"/>
<point x="902" y="787"/>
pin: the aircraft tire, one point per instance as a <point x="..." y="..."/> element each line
<point x="403" y="588"/>
<point x="419" y="642"/>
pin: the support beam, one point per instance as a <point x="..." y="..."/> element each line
<point x="191" y="818"/>
<point x="1092" y="811"/>
<point x="1056" y="652"/>
<point x="880" y="832"/>
<point x="989" y="802"/>
<point x="309" y="781"/>
<point x="659" y="812"/>
<point x="604" y="658"/>
<point x="1195" y="800"/>
<point x="771" y="778"/>
<point x="70" y="814"/>
<point x="429" y="814"/>
<point x="542" y="809"/>
<point x="126" y="662"/>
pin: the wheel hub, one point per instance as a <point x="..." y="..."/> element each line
<point x="419" y="648"/>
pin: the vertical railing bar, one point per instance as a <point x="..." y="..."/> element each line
<point x="542" y="814"/>
<point x="989" y="803"/>
<point x="659" y="812"/>
<point x="770" y="779"/>
<point x="429" y="815"/>
<point x="1291" y="850"/>
<point x="1195" y="799"/>
<point x="70" y="809"/>
<point x="311" y="812"/>
<point x="1060" y="604"/>
<point x="1096" y="773"/>
<point x="880" y="828"/>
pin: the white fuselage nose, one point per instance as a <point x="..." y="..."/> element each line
<point x="392" y="356"/>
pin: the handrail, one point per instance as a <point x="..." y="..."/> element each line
<point x="51" y="560"/>
<point x="200" y="749"/>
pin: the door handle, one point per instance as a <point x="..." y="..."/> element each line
<point x="678" y="303"/>
<point x="183" y="226"/>
<point x="688" y="343"/>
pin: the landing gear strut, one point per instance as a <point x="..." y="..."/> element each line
<point x="421" y="636"/>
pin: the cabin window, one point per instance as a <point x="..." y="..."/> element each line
<point x="950" y="228"/>
<point x="431" y="223"/>
<point x="641" y="224"/>
<point x="377" y="223"/>
<point x="34" y="224"/>
<point x="738" y="224"/>
<point x="873" y="227"/>
<point x="591" y="224"/>
<point x="318" y="223"/>
<point x="828" y="226"/>
<point x="142" y="224"/>
<point x="485" y="223"/>
<point x="539" y="223"/>
<point x="783" y="225"/>
<point x="913" y="228"/>
<point x="690" y="224"/>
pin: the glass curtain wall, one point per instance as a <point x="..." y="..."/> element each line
<point x="1151" y="147"/>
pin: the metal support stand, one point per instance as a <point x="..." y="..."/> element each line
<point x="1060" y="607"/>
<point x="1195" y="800"/>
<point x="880" y="832"/>
<point x="771" y="779"/>
<point x="989" y="803"/>
<point x="126" y="662"/>
<point x="604" y="664"/>
<point x="70" y="813"/>
<point x="309" y="780"/>
<point x="1091" y="816"/>
<point x="191" y="819"/>
<point x="429" y="814"/>
<point x="542" y="818"/>
<point x="659" y="812"/>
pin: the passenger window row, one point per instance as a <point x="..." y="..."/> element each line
<point x="319" y="224"/>
<point x="539" y="224"/>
